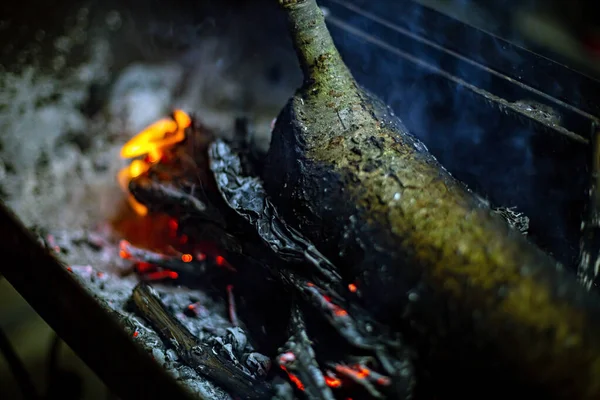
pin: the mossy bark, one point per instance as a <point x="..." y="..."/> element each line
<point x="428" y="254"/>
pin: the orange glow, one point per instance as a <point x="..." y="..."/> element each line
<point x="296" y="381"/>
<point x="363" y="372"/>
<point x="352" y="287"/>
<point x="143" y="267"/>
<point x="333" y="382"/>
<point x="340" y="312"/>
<point x="358" y="372"/>
<point x="294" y="378"/>
<point x="124" y="254"/>
<point x="160" y="275"/>
<point x="150" y="143"/>
<point x="186" y="258"/>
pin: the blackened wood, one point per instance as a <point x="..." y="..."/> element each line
<point x="203" y="358"/>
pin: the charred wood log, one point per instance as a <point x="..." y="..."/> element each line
<point x="430" y="256"/>
<point x="202" y="357"/>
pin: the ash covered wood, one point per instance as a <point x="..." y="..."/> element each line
<point x="220" y="365"/>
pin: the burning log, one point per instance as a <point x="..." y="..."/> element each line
<point x="202" y="357"/>
<point x="430" y="257"/>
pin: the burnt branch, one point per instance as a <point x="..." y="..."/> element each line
<point x="298" y="359"/>
<point x="170" y="197"/>
<point x="247" y="197"/>
<point x="202" y="357"/>
<point x="191" y="267"/>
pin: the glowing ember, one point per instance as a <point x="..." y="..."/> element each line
<point x="340" y="312"/>
<point x="150" y="144"/>
<point x="333" y="382"/>
<point x="358" y="372"/>
<point x="352" y="287"/>
<point x="161" y="275"/>
<point x="293" y="378"/>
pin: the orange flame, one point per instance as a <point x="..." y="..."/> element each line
<point x="150" y="144"/>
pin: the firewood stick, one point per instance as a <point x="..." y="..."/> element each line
<point x="196" y="354"/>
<point x="589" y="252"/>
<point x="430" y="256"/>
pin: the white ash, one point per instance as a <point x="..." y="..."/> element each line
<point x="101" y="270"/>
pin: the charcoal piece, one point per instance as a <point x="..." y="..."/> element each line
<point x="200" y="356"/>
<point x="258" y="363"/>
<point x="359" y="329"/>
<point x="298" y="360"/>
<point x="247" y="197"/>
<point x="169" y="196"/>
<point x="226" y="349"/>
<point x="237" y="337"/>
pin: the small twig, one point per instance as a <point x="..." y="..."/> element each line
<point x="18" y="369"/>
<point x="359" y="378"/>
<point x="196" y="354"/>
<point x="184" y="263"/>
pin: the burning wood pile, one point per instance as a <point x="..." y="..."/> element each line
<point x="228" y="231"/>
<point x="384" y="269"/>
